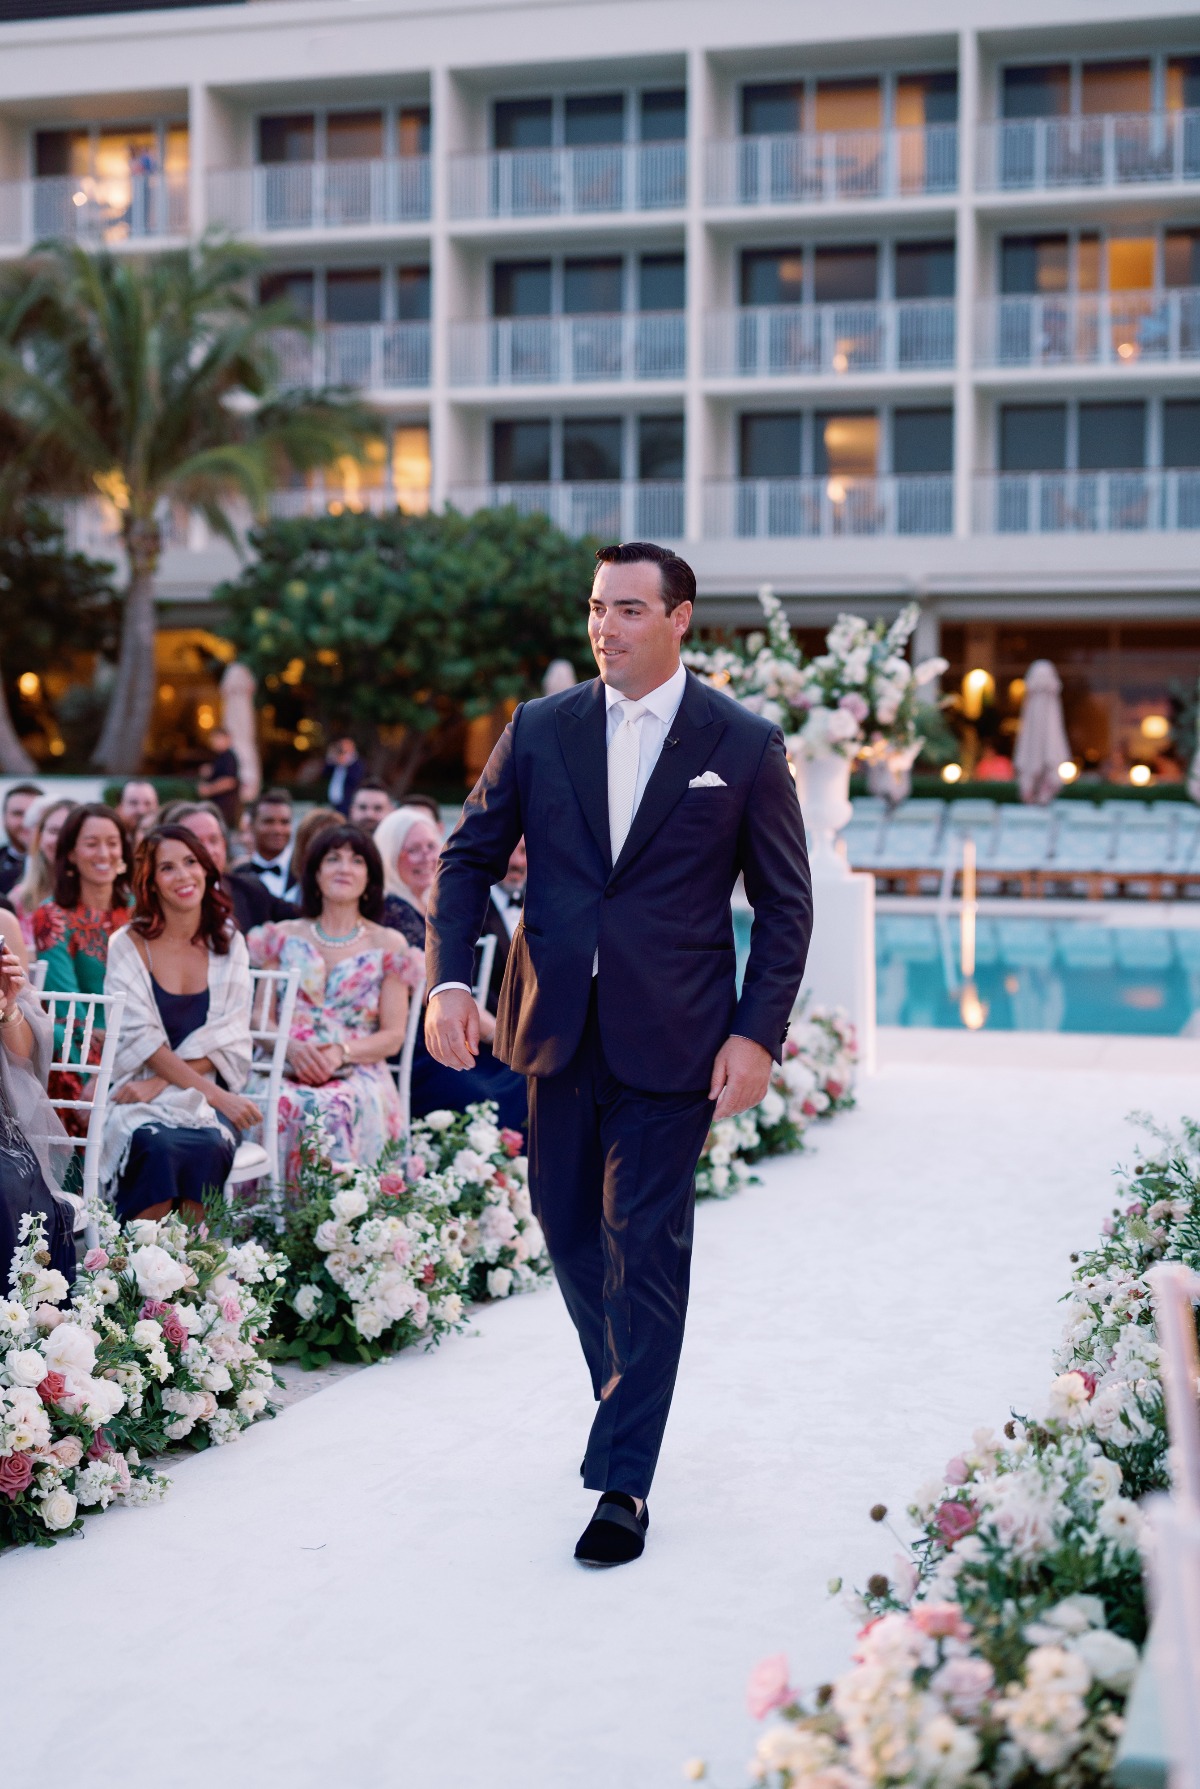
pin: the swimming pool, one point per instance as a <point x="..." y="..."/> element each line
<point x="1077" y="973"/>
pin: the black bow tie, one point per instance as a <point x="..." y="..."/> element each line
<point x="516" y="897"/>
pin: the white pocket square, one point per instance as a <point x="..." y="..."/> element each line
<point x="709" y="780"/>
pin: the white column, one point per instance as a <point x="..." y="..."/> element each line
<point x="965" y="284"/>
<point x="448" y="133"/>
<point x="699" y="296"/>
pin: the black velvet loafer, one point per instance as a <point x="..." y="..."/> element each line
<point x="616" y="1533"/>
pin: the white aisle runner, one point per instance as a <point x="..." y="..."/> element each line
<point x="377" y="1589"/>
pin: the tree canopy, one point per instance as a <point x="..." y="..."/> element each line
<point x="400" y="625"/>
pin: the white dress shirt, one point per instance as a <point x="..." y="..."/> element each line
<point x="509" y="911"/>
<point x="661" y="706"/>
<point x="272" y="872"/>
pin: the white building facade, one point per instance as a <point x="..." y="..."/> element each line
<point x="868" y="305"/>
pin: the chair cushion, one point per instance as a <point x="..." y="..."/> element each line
<point x="250" y="1161"/>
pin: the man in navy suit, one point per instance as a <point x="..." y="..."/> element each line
<point x="642" y="796"/>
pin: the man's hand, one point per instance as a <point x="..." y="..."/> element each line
<point x="740" y="1077"/>
<point x="452" y="1028"/>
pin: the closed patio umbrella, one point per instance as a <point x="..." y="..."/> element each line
<point x="1042" y="741"/>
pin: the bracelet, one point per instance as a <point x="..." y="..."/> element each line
<point x="345" y="1048"/>
<point x="13" y="1016"/>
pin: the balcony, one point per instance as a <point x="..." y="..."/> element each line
<point x="1087" y="502"/>
<point x="809" y="508"/>
<point x="833" y="167"/>
<point x="92" y="210"/>
<point x="627" y="511"/>
<point x="579" y="350"/>
<point x="1111" y="150"/>
<point x="587" y="182"/>
<point x="369" y="356"/>
<point x="770" y="342"/>
<point x="1089" y="329"/>
<point x="321" y="195"/>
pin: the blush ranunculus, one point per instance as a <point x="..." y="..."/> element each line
<point x="953" y="1520"/>
<point x="52" y="1388"/>
<point x="416" y="1166"/>
<point x="941" y="1621"/>
<point x="768" y="1687"/>
<point x="16" y="1470"/>
<point x="94" y="1260"/>
<point x="231" y="1310"/>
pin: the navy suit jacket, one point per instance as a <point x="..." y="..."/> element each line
<point x="659" y="917"/>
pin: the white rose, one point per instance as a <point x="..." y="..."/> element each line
<point x="440" y="1121"/>
<point x="1104" y="1477"/>
<point x="146" y="1333"/>
<point x="49" y="1287"/>
<point x="483" y="1136"/>
<point x="329" y="1235"/>
<point x="368" y="1322"/>
<point x="251" y="1403"/>
<point x="142" y="1232"/>
<point x="102" y="1398"/>
<point x="216" y="1377"/>
<point x="449" y="1309"/>
<point x="471" y="1165"/>
<point x="58" y="1510"/>
<point x="306" y="1302"/>
<point x="70" y="1349"/>
<point x="499" y="1282"/>
<point x="349" y="1204"/>
<point x="1111" y="1660"/>
<point x="178" y="1428"/>
<point x="158" y="1274"/>
<point x="26" y="1366"/>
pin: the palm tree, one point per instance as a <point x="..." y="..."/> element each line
<point x="154" y="381"/>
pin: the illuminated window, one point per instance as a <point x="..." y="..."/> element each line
<point x="846" y="445"/>
<point x="411" y="469"/>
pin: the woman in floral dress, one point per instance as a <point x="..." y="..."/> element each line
<point x="352" y="1006"/>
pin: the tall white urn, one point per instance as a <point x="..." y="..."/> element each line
<point x="841" y="957"/>
<point x="823" y="785"/>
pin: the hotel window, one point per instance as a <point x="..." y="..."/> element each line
<point x="846" y="274"/>
<point x="111" y="153"/>
<point x="412" y="131"/>
<point x="845" y="444"/>
<point x="591" y="449"/>
<point x="924" y="270"/>
<point x="521" y="289"/>
<point x="922" y="441"/>
<point x="521" y="452"/>
<point x="593" y="287"/>
<point x="1181" y="432"/>
<point x="772" y="276"/>
<point x="662" y="283"/>
<point x="412" y="294"/>
<point x="1033" y="437"/>
<point x="1116" y="87"/>
<point x="1111" y="436"/>
<point x="849" y="105"/>
<point x="926" y="99"/>
<point x="664" y="115"/>
<point x="523" y="124"/>
<point x="771" y="444"/>
<point x="290" y="137"/>
<point x="593" y="118"/>
<point x="354" y="136"/>
<point x="298" y="288"/>
<point x="1033" y="264"/>
<point x="773" y="109"/>
<point x="1183" y="84"/>
<point x="354" y="295"/>
<point x="660" y="447"/>
<point x="1181" y="258"/>
<point x="1037" y="92"/>
<point x="411" y="469"/>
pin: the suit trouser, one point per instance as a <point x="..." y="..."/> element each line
<point x="612" y="1178"/>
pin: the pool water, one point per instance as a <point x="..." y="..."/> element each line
<point x="1033" y="974"/>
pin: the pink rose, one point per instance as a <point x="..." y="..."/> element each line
<point x="941" y="1621"/>
<point x="16" y="1470"/>
<point x="69" y="1451"/>
<point x="52" y="1389"/>
<point x="231" y="1310"/>
<point x="416" y="1166"/>
<point x="401" y="1252"/>
<point x="94" y="1260"/>
<point x="512" y="1141"/>
<point x="154" y="1307"/>
<point x="174" y="1330"/>
<point x="101" y="1446"/>
<point x="835" y="1089"/>
<point x="854" y="704"/>
<point x="48" y="1316"/>
<point x="956" y="1471"/>
<point x="953" y="1520"/>
<point x="768" y="1686"/>
<point x="428" y="1274"/>
<point x="1136" y="1210"/>
<point x="1107" y="1227"/>
<point x="1089" y="1382"/>
<point x="121" y="1467"/>
<point x="392" y="1184"/>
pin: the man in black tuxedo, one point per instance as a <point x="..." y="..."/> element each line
<point x="642" y="796"/>
<point x="502" y="919"/>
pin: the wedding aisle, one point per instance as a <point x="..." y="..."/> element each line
<point x="376" y="1589"/>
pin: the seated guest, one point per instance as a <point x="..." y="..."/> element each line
<point x="352" y="1006"/>
<point x="90" y="901"/>
<point x="35" y="1153"/>
<point x="184" y="1050"/>
<point x="371" y="802"/>
<point x="17" y="804"/>
<point x="43" y="823"/>
<point x="346" y="772"/>
<point x="502" y="918"/>
<point x="137" y="806"/>
<point x="315" y="821"/>
<point x="409" y="844"/>
<point x="431" y="805"/>
<point x="251" y="903"/>
<point x="271" y="831"/>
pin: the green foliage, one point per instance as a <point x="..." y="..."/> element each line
<point x="407" y="623"/>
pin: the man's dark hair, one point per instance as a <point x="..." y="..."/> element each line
<point x="678" y="578"/>
<point x="271" y="798"/>
<point x="375" y="784"/>
<point x="430" y="803"/>
<point x="370" y="902"/>
<point x="20" y="789"/>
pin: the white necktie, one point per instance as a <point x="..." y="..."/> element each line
<point x="624" y="758"/>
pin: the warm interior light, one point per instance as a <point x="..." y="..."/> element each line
<point x="1140" y="775"/>
<point x="1068" y="770"/>
<point x="57" y="747"/>
<point x="1016" y="691"/>
<point x="205" y="718"/>
<point x="952" y="773"/>
<point x="300" y="743"/>
<point x="29" y="683"/>
<point x="79" y="198"/>
<point x="1127" y="350"/>
<point x="1155" y="726"/>
<point x="978" y="686"/>
<point x="835" y="490"/>
<point x="971" y="1009"/>
<point x="166" y="692"/>
<point x="293" y="673"/>
<point x="841" y="361"/>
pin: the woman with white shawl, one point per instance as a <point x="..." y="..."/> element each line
<point x="184" y="1050"/>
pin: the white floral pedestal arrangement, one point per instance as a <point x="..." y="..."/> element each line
<point x="841" y="956"/>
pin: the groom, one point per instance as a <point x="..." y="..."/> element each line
<point x="642" y="796"/>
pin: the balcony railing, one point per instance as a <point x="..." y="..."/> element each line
<point x="1087" y="502"/>
<point x="82" y="209"/>
<point x="569" y="350"/>
<point x="311" y="501"/>
<point x="753" y="508"/>
<point x="1089" y="329"/>
<point x="769" y="341"/>
<point x="372" y="356"/>
<point x="569" y="182"/>
<point x="828" y="167"/>
<point x="629" y="511"/>
<point x="321" y="195"/>
<point x="1114" y="149"/>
